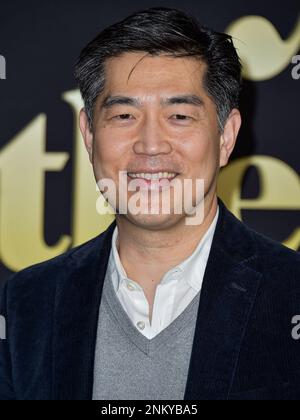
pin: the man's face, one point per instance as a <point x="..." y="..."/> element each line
<point x="169" y="124"/>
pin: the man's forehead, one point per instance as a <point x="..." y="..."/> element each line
<point x="158" y="89"/>
<point x="125" y="64"/>
<point x="122" y="78"/>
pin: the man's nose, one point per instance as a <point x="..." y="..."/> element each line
<point x="153" y="139"/>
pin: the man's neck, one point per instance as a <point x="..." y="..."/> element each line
<point x="153" y="253"/>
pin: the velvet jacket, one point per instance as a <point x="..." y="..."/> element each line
<point x="243" y="346"/>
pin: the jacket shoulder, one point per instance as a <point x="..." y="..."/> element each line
<point x="246" y="241"/>
<point x="275" y="254"/>
<point x="279" y="264"/>
<point x="47" y="274"/>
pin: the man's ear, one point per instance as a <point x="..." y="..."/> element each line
<point x="86" y="133"/>
<point x="229" y="136"/>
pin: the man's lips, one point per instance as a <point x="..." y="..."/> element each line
<point x="152" y="183"/>
<point x="152" y="179"/>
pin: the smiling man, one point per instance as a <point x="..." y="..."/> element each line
<point x="155" y="307"/>
<point x="154" y="120"/>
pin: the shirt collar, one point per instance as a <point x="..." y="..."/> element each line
<point x="191" y="269"/>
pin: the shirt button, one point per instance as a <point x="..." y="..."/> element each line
<point x="130" y="287"/>
<point x="141" y="325"/>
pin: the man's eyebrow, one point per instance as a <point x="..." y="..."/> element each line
<point x="110" y="101"/>
<point x="183" y="99"/>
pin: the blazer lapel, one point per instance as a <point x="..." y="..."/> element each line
<point x="229" y="289"/>
<point x="78" y="300"/>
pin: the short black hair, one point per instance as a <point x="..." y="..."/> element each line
<point x="163" y="31"/>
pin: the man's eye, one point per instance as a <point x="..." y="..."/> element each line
<point x="182" y="117"/>
<point x="122" y="117"/>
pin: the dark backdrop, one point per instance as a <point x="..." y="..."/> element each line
<point x="41" y="41"/>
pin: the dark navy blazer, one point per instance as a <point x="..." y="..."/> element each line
<point x="243" y="346"/>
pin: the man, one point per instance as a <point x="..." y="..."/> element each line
<point x="155" y="307"/>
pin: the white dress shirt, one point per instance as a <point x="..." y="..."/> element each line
<point x="173" y="294"/>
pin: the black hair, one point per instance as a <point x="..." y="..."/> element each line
<point x="167" y="31"/>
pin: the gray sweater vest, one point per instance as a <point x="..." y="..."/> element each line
<point x="129" y="366"/>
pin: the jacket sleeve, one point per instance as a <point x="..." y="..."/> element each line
<point x="6" y="383"/>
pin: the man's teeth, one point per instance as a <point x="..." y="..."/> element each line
<point x="159" y="175"/>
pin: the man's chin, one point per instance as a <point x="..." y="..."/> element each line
<point x="154" y="221"/>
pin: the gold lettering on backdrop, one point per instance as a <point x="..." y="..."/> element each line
<point x="263" y="52"/>
<point x="23" y="163"/>
<point x="279" y="188"/>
